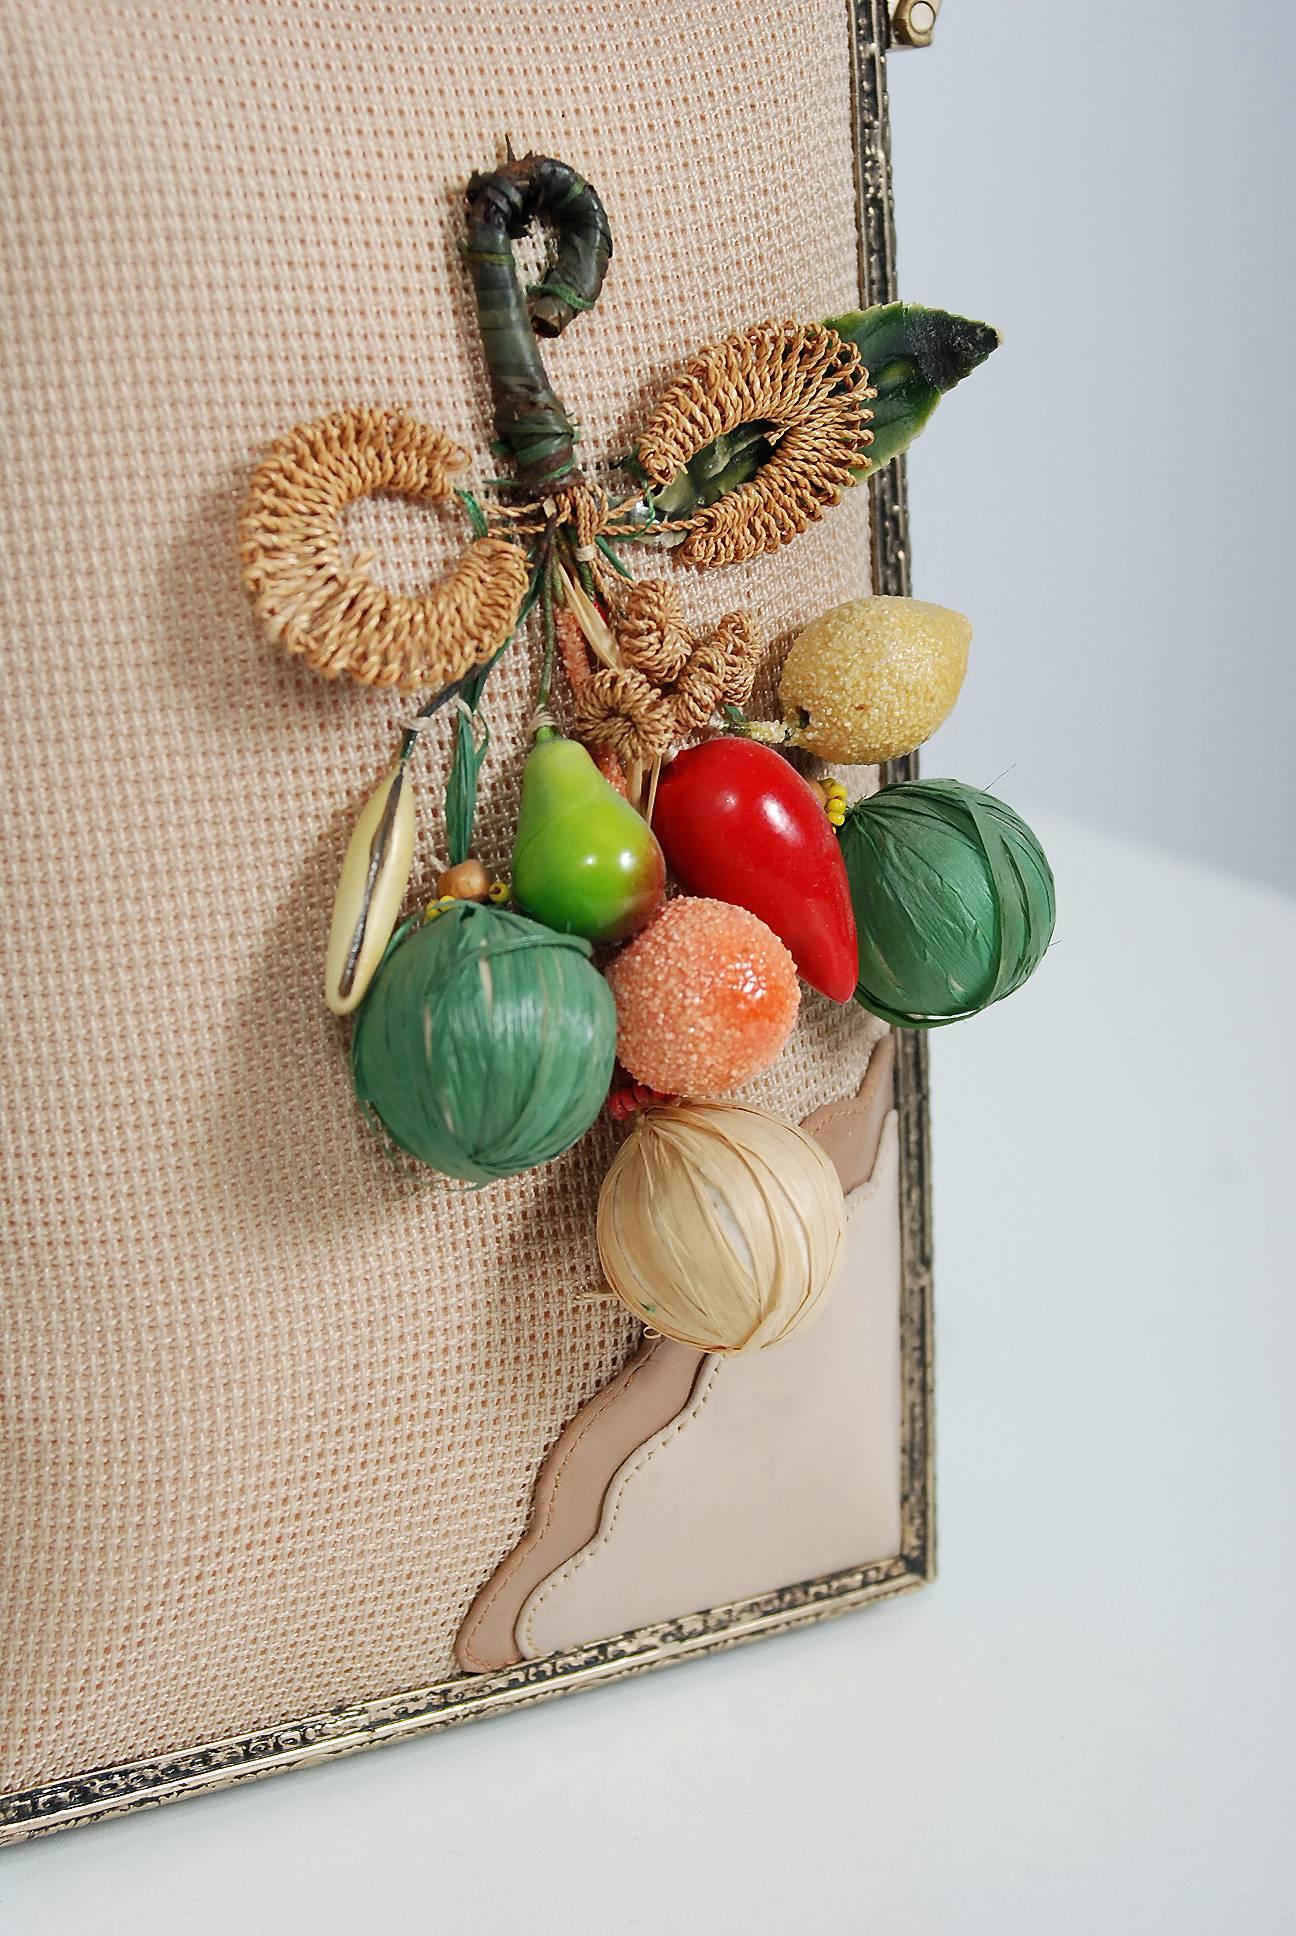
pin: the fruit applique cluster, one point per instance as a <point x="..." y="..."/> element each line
<point x="675" y="878"/>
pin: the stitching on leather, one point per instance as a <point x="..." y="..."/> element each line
<point x="849" y="1106"/>
<point x="852" y="1106"/>
<point x="644" y="1457"/>
<point x="846" y="1106"/>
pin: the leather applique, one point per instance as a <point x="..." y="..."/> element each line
<point x="851" y="1130"/>
<point x="784" y="1467"/>
<point x="650" y="1391"/>
<point x="660" y="1392"/>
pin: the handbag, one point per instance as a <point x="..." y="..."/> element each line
<point x="301" y="1451"/>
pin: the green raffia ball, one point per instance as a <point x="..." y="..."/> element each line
<point x="485" y="1045"/>
<point x="953" y="901"/>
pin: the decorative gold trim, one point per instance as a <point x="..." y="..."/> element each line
<point x="162" y="1778"/>
<point x="891" y="574"/>
<point x="322" y="1737"/>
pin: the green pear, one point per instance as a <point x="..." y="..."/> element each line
<point x="584" y="862"/>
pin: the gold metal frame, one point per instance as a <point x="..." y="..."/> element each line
<point x="320" y="1737"/>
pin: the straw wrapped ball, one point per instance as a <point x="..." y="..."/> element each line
<point x="706" y="997"/>
<point x="953" y="897"/>
<point x="486" y="1043"/>
<point x="720" y="1226"/>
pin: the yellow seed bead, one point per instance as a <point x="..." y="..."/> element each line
<point x="874" y="678"/>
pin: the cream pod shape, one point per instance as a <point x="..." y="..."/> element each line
<point x="375" y="874"/>
<point x="720" y="1226"/>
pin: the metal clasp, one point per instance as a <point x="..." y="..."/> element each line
<point x="913" y="22"/>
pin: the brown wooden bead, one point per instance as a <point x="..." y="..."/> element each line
<point x="469" y="881"/>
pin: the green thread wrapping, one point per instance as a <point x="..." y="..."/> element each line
<point x="564" y="293"/>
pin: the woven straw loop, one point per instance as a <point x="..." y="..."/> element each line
<point x="325" y="608"/>
<point x="804" y="380"/>
<point x="670" y="682"/>
<point x="619" y="711"/>
<point x="651" y="632"/>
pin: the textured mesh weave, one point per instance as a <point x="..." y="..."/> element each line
<point x="273" y="1407"/>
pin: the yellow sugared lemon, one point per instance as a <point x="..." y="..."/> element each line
<point x="871" y="680"/>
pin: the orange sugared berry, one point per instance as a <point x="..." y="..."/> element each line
<point x="706" y="997"/>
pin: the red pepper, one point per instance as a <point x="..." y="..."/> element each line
<point x="738" y="823"/>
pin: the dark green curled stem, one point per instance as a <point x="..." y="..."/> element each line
<point x="500" y="207"/>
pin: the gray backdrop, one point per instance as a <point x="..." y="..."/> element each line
<point x="1110" y="498"/>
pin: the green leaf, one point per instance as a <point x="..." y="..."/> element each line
<point x="902" y="408"/>
<point x="945" y="348"/>
<point x="913" y="356"/>
<point x="718" y="468"/>
<point x="472" y="737"/>
<point x="678" y="499"/>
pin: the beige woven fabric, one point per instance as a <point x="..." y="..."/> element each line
<point x="274" y="1407"/>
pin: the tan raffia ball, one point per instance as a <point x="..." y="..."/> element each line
<point x="720" y="1226"/>
<point x="872" y="679"/>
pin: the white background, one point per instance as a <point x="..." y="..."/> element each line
<point x="1110" y="498"/>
